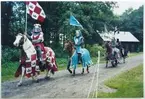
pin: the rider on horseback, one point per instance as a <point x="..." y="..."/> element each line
<point x="78" y="40"/>
<point x="113" y="45"/>
<point x="37" y="40"/>
<point x="119" y="45"/>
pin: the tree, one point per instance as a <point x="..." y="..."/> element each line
<point x="132" y="20"/>
<point x="5" y="22"/>
<point x="92" y="16"/>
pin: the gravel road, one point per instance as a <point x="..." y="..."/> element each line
<point x="63" y="85"/>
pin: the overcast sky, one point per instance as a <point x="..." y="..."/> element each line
<point x="123" y="5"/>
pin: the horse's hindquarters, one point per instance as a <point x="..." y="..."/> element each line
<point x="50" y="59"/>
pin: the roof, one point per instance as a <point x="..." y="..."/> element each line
<point x="122" y="36"/>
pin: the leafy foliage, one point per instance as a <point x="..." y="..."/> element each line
<point x="94" y="50"/>
<point x="92" y="15"/>
<point x="132" y="20"/>
<point x="9" y="54"/>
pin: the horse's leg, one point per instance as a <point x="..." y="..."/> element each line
<point x="48" y="74"/>
<point x="74" y="70"/>
<point x="22" y="75"/>
<point x="106" y="63"/>
<point x="68" y="66"/>
<point x="34" y="78"/>
<point x="123" y="54"/>
<point x="83" y="65"/>
<point x="123" y="58"/>
<point x="88" y="69"/>
<point x="48" y="71"/>
<point x="82" y="70"/>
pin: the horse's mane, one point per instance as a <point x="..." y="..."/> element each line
<point x="70" y="42"/>
<point x="20" y="34"/>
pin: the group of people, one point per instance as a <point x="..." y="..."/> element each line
<point x="37" y="39"/>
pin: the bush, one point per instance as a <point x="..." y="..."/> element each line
<point x="9" y="54"/>
<point x="59" y="53"/>
<point x="93" y="49"/>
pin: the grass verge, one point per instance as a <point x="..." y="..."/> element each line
<point x="134" y="54"/>
<point x="9" y="68"/>
<point x="128" y="84"/>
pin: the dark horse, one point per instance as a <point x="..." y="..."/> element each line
<point x="73" y="58"/>
<point x="114" y="57"/>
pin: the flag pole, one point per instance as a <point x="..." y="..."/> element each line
<point x="26" y="21"/>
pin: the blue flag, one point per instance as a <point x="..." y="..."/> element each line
<point x="74" y="21"/>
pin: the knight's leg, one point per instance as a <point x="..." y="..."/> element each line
<point x="79" y="58"/>
<point x="39" y="54"/>
<point x="22" y="75"/>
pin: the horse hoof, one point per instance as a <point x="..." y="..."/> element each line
<point x="19" y="84"/>
<point x="82" y="71"/>
<point x="52" y="72"/>
<point x="70" y="72"/>
<point x="73" y="74"/>
<point x="88" y="71"/>
<point x="36" y="81"/>
<point x="47" y="78"/>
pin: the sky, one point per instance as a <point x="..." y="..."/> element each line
<point x="124" y="5"/>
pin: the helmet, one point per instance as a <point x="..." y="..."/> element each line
<point x="37" y="28"/>
<point x="78" y="33"/>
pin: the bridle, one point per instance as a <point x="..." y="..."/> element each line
<point x="69" y="47"/>
<point x="22" y="40"/>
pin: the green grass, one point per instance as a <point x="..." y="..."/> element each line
<point x="134" y="54"/>
<point x="128" y="84"/>
<point x="9" y="68"/>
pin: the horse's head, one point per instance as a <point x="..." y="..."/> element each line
<point x="68" y="45"/>
<point x="20" y="38"/>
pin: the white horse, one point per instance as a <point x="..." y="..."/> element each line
<point x="29" y="64"/>
<point x="120" y="55"/>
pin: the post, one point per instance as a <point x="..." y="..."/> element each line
<point x="26" y="20"/>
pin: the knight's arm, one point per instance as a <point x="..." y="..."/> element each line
<point x="28" y="36"/>
<point x="40" y="39"/>
<point x="36" y="41"/>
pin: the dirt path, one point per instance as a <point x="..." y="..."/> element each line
<point x="63" y="85"/>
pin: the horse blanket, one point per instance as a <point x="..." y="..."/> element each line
<point x="32" y="65"/>
<point x="86" y="59"/>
